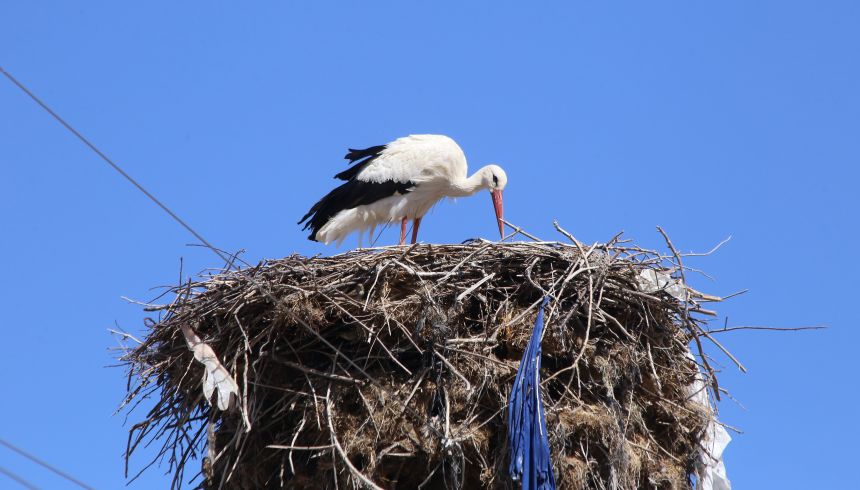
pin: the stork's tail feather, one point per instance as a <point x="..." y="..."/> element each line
<point x="347" y="196"/>
<point x="313" y="236"/>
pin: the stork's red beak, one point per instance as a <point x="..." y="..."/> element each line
<point x="500" y="211"/>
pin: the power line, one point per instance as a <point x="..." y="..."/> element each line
<point x="187" y="227"/>
<point x="115" y="166"/>
<point x="174" y="216"/>
<point x="24" y="483"/>
<point x="44" y="464"/>
<point x="128" y="177"/>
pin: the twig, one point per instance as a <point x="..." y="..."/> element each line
<point x="709" y="252"/>
<point x="774" y="329"/>
<point x="474" y="286"/>
<point x="566" y="233"/>
<point x="519" y="230"/>
<point x="454" y="370"/>
<point x="352" y="469"/>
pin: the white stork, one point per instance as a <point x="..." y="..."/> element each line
<point x="399" y="181"/>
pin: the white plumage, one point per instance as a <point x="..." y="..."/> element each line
<point x="399" y="181"/>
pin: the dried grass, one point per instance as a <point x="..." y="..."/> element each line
<point x="392" y="367"/>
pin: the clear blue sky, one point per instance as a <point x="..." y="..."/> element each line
<point x="707" y="118"/>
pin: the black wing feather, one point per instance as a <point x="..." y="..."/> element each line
<point x="366" y="156"/>
<point x="353" y="192"/>
<point x="349" y="195"/>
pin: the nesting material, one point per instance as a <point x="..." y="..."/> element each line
<point x="391" y="368"/>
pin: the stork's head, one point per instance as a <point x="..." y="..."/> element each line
<point x="495" y="179"/>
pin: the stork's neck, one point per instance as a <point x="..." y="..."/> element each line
<point x="467" y="186"/>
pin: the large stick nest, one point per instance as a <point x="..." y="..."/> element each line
<point x="392" y="367"/>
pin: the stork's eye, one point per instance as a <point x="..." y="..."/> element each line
<point x="495" y="180"/>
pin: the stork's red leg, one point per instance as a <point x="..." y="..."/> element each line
<point x="415" y="225"/>
<point x="403" y="230"/>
